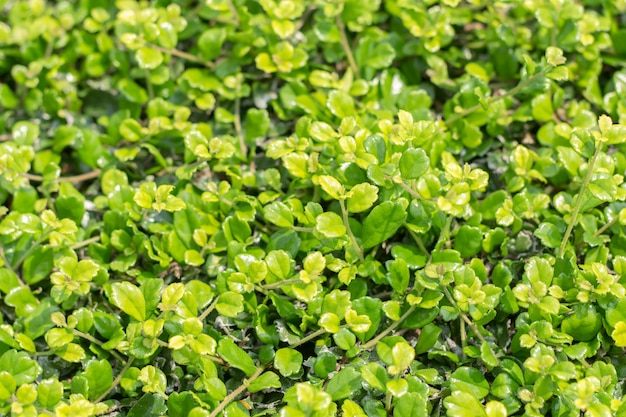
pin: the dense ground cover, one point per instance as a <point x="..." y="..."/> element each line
<point x="312" y="208"/>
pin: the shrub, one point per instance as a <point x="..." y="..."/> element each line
<point x="312" y="208"/>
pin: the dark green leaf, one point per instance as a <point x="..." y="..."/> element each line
<point x="382" y="223"/>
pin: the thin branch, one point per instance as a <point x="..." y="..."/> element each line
<point x="180" y="54"/>
<point x="310" y="337"/>
<point x="346" y="221"/>
<point x="237" y="122"/>
<point x="233" y="10"/>
<point x="117" y="379"/>
<point x="492" y="100"/>
<point x="95" y="341"/>
<point x="279" y="284"/>
<point x="606" y="226"/>
<point x="469" y="322"/>
<point x="31" y="250"/>
<point x="208" y="310"/>
<point x="85" y="242"/>
<point x="579" y="198"/>
<point x="343" y="39"/>
<point x="389" y="329"/>
<point x="230" y="397"/>
<point x="76" y="178"/>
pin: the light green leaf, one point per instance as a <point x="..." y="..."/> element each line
<point x="362" y="197"/>
<point x="463" y="404"/>
<point x="235" y="356"/>
<point x="344" y="384"/>
<point x="267" y="380"/>
<point x="279" y="214"/>
<point x="414" y="163"/>
<point x="330" y="225"/>
<point x="129" y="299"/>
<point x="229" y="304"/>
<point x="288" y="361"/>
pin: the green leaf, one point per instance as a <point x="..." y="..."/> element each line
<point x="129" y="299"/>
<point x="325" y="363"/>
<point x="382" y="222"/>
<point x="257" y="124"/>
<point x="7" y="385"/>
<point x="211" y="41"/>
<point x="344" y="384"/>
<point x="23" y="369"/>
<point x="469" y="380"/>
<point x="288" y="361"/>
<point x="468" y="241"/>
<point x="39" y="265"/>
<point x="266" y="380"/>
<point x="148" y="58"/>
<point x="229" y="304"/>
<point x="132" y="91"/>
<point x="330" y="225"/>
<point x="340" y="104"/>
<point x="180" y="404"/>
<point x="549" y="235"/>
<point x="427" y="339"/>
<point x="412" y="404"/>
<point x="99" y="376"/>
<point x="402" y="354"/>
<point x="329" y="322"/>
<point x="584" y="324"/>
<point x="279" y="214"/>
<point x="414" y="163"/>
<point x="375" y="375"/>
<point x="331" y="186"/>
<point x="619" y="334"/>
<point x="362" y="197"/>
<point x="463" y="404"/>
<point x="49" y="393"/>
<point x="150" y="405"/>
<point x="235" y="356"/>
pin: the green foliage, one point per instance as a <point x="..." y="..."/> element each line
<point x="281" y="207"/>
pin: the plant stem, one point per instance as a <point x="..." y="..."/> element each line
<point x="234" y="11"/>
<point x="279" y="284"/>
<point x="492" y="100"/>
<point x="208" y="310"/>
<point x="117" y="379"/>
<point x="149" y="85"/>
<point x="418" y="241"/>
<point x="4" y="260"/>
<point x="579" y="199"/>
<point x="468" y="321"/>
<point x="389" y="329"/>
<point x="230" y="397"/>
<point x="343" y="39"/>
<point x="346" y="222"/>
<point x="30" y="250"/>
<point x="237" y="122"/>
<point x="445" y="233"/>
<point x="312" y="336"/>
<point x="405" y="187"/>
<point x="95" y="341"/>
<point x="606" y="226"/>
<point x="84" y="243"/>
<point x="180" y="54"/>
<point x="76" y="178"/>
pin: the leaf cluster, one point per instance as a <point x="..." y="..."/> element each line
<point x="312" y="208"/>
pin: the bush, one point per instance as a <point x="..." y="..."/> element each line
<point x="312" y="208"/>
